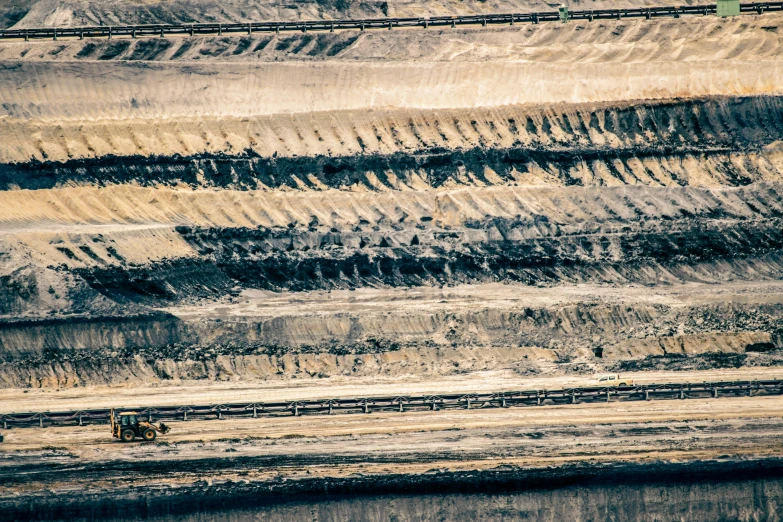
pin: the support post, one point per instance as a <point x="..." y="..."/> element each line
<point x="296" y="410"/>
<point x="573" y="398"/>
<point x="538" y="399"/>
<point x="647" y="395"/>
<point x="40" y="421"/>
<point x="80" y="420"/>
<point x="220" y="29"/>
<point x="362" y="27"/>
<point x="502" y="402"/>
<point x="184" y="415"/>
<point x="161" y="32"/>
<point x="149" y="417"/>
<point x="366" y="408"/>
<point x="426" y="24"/>
<point x="390" y="26"/>
<point x="109" y="32"/>
<point x="220" y="415"/>
<point x="682" y="393"/>
<point x="715" y="393"/>
<point x="26" y="37"/>
<point x="133" y="34"/>
<point x="255" y="411"/>
<point x="331" y="28"/>
<point x="249" y="28"/>
<point x="535" y="18"/>
<point x="5" y="424"/>
<point x="55" y="34"/>
<point x="453" y="24"/>
<point x="648" y="15"/>
<point x="330" y="407"/>
<point x="468" y="403"/>
<point x="607" y="395"/>
<point x="400" y="406"/>
<point x="432" y="405"/>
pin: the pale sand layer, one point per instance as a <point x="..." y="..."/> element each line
<point x="55" y="92"/>
<point x="632" y="40"/>
<point x="341" y="94"/>
<point x="180" y="393"/>
<point x="138" y="223"/>
<point x="114" y="12"/>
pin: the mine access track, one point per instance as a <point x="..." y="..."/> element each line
<point x="219" y="29"/>
<point x="407" y="403"/>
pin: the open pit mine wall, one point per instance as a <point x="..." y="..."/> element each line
<point x="647" y="214"/>
<point x="46" y="13"/>
<point x="132" y="188"/>
<point x="697" y="491"/>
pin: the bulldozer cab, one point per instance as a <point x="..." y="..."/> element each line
<point x="128" y="419"/>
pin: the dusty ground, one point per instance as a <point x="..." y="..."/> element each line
<point x="322" y="215"/>
<point x="64" y="460"/>
<point x="642" y="430"/>
<point x="176" y="393"/>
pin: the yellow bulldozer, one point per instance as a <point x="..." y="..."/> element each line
<point x="127" y="426"/>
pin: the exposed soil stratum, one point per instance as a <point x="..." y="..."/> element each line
<point x="548" y="200"/>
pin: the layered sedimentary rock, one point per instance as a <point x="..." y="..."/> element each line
<point x="190" y="207"/>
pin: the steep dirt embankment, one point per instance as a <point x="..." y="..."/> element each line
<point x="38" y="13"/>
<point x="139" y="179"/>
<point x="711" y="142"/>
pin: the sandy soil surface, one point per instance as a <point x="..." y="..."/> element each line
<point x="187" y="96"/>
<point x="183" y="393"/>
<point x="259" y="218"/>
<point x="252" y="303"/>
<point x="41" y="13"/>
<point x="61" y="459"/>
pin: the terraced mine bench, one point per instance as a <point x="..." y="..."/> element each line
<point x="408" y="403"/>
<point x="219" y="29"/>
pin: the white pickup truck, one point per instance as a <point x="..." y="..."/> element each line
<point x="612" y="379"/>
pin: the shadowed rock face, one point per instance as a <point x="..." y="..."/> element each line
<point x="701" y="502"/>
<point x="577" y="493"/>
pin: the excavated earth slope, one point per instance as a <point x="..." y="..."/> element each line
<point x="547" y="198"/>
<point x="39" y="13"/>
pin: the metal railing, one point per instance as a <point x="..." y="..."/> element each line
<point x="403" y="403"/>
<point x="162" y="30"/>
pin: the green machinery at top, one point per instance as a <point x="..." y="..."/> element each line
<point x="563" y="11"/>
<point x="728" y="8"/>
<point x="724" y="9"/>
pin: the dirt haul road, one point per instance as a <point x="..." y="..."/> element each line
<point x="184" y="392"/>
<point x="262" y="452"/>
